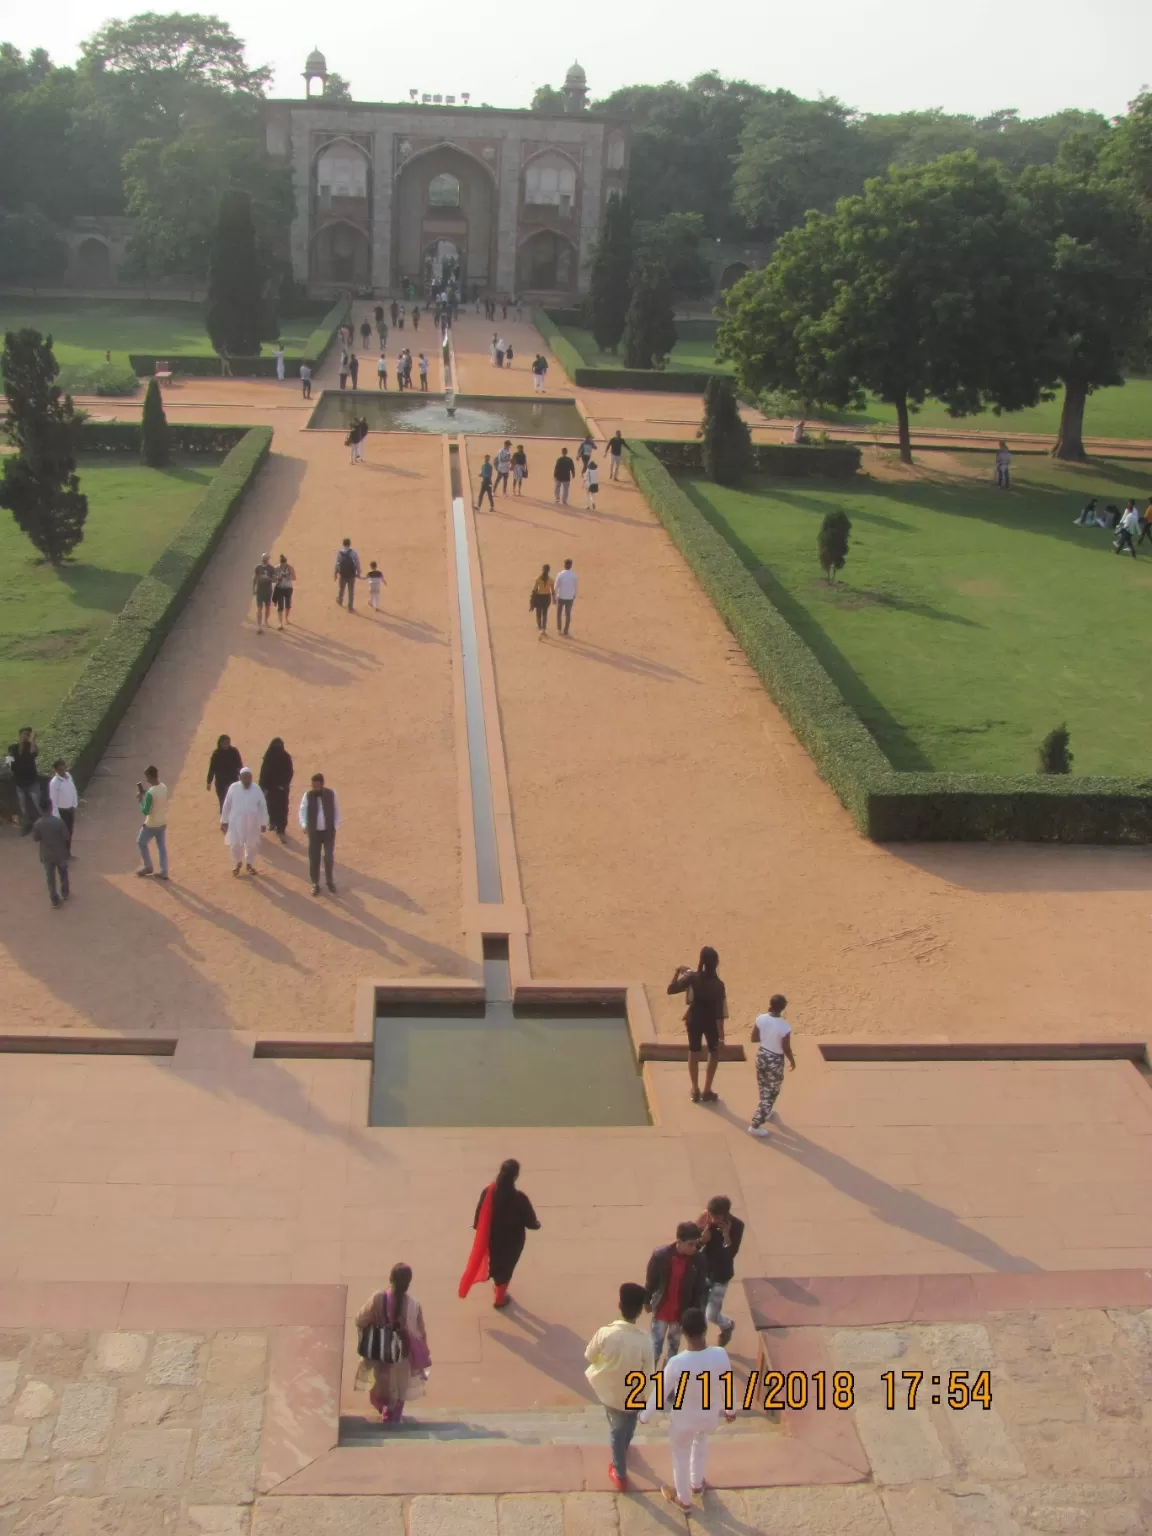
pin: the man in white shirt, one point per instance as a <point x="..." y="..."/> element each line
<point x="773" y="1034"/>
<point x="243" y="818"/>
<point x="565" y="588"/>
<point x="63" y="798"/>
<point x="620" y="1363"/>
<point x="695" y="1397"/>
<point x="1127" y="531"/>
<point x="319" y="818"/>
<point x="1003" y="465"/>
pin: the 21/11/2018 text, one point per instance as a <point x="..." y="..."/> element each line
<point x="803" y="1389"/>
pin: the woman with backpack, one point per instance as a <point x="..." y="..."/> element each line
<point x="504" y="1217"/>
<point x="393" y="1346"/>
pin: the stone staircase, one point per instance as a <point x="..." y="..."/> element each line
<point x="546" y="1426"/>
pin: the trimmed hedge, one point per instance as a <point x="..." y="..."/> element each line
<point x="186" y="439"/>
<point x="88" y="716"/>
<point x="836" y="461"/>
<point x="887" y="806"/>
<point x="207" y="365"/>
<point x="574" y="364"/>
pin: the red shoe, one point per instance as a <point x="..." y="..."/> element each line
<point x="619" y="1483"/>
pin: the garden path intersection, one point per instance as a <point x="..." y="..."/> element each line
<point x="646" y="797"/>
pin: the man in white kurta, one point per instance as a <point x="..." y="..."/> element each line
<point x="243" y="817"/>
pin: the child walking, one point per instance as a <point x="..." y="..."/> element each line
<point x="375" y="581"/>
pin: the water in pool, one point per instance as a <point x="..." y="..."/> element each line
<point x="478" y="415"/>
<point x="504" y="1065"/>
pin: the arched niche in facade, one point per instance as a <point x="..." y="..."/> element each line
<point x="341" y="175"/>
<point x="341" y="255"/>
<point x="547" y="262"/>
<point x="93" y="262"/>
<point x="550" y="181"/>
<point x="424" y="213"/>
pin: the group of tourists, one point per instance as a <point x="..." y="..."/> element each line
<point x="683" y="1293"/>
<point x="273" y="584"/>
<point x="548" y="589"/>
<point x="404" y="365"/>
<point x="502" y="303"/>
<point x="1131" y="526"/>
<point x="347" y="572"/>
<point x="705" y="1021"/>
<point x="251" y="805"/>
<point x="500" y="351"/>
<point x="48" y="809"/>
<point x="508" y="465"/>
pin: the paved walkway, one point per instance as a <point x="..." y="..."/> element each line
<point x="659" y="802"/>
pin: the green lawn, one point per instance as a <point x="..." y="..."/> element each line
<point x="968" y="621"/>
<point x="50" y="621"/>
<point x="83" y="329"/>
<point x="693" y="353"/>
<point x="1124" y="412"/>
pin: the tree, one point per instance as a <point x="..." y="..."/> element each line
<point x="237" y="318"/>
<point x="1054" y="756"/>
<point x="546" y="98"/>
<point x="610" y="283"/>
<point x="31" y="252"/>
<point x="685" y="139"/>
<point x="154" y="449"/>
<point x="39" y="484"/>
<point x="727" y="446"/>
<point x="675" y="241"/>
<point x="336" y="88"/>
<point x="175" y="189"/>
<point x="1100" y="251"/>
<point x="832" y="542"/>
<point x="933" y="283"/>
<point x="796" y="155"/>
<point x="649" y="330"/>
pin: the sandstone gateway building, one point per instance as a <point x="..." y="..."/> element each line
<point x="509" y="200"/>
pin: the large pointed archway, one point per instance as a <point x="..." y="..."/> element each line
<point x="445" y="212"/>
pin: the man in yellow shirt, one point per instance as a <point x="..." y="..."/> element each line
<point x="615" y="1353"/>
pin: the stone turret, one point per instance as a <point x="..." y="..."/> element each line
<point x="575" y="89"/>
<point x="315" y="68"/>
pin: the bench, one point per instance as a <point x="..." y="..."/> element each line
<point x="162" y="373"/>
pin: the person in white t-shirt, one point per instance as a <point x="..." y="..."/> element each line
<point x="63" y="798"/>
<point x="774" y="1036"/>
<point x="695" y="1397"/>
<point x="565" y="585"/>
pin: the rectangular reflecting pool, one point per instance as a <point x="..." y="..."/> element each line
<point x="505" y="1065"/>
<point x="477" y="415"/>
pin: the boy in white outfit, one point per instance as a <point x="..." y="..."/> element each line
<point x="375" y="580"/>
<point x="591" y="482"/>
<point x="694" y="1406"/>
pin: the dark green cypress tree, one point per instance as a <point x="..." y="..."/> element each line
<point x="39" y="485"/>
<point x="153" y="429"/>
<point x="1054" y="755"/>
<point x="727" y="441"/>
<point x="237" y="316"/>
<point x="610" y="283"/>
<point x="650" y="331"/>
<point x="832" y="542"/>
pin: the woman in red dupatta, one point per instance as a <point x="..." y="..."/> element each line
<point x="504" y="1215"/>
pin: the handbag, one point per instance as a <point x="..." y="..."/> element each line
<point x="384" y="1342"/>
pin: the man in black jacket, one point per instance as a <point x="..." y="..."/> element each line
<point x="677" y="1279"/>
<point x="562" y="476"/>
<point x="21" y="758"/>
<point x="722" y="1234"/>
<point x="319" y="817"/>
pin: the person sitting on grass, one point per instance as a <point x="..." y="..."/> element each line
<point x="1087" y="518"/>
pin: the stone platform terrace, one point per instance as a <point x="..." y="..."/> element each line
<point x="653" y="799"/>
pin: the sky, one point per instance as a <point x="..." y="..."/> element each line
<point x="975" y="57"/>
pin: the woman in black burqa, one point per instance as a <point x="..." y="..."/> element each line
<point x="276" y="782"/>
<point x="504" y="1215"/>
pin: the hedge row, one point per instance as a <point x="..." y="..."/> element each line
<point x="574" y="364"/>
<point x="207" y="365"/>
<point x="186" y="439"/>
<point x="88" y="716"/>
<point x="836" y="461"/>
<point x="886" y="805"/>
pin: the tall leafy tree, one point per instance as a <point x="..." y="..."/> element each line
<point x="1100" y="255"/>
<point x="39" y="485"/>
<point x="610" y="281"/>
<point x="154" y="447"/>
<point x="676" y="241"/>
<point x="727" y="445"/>
<point x="796" y="155"/>
<point x="933" y="283"/>
<point x="650" y="329"/>
<point x="237" y="317"/>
